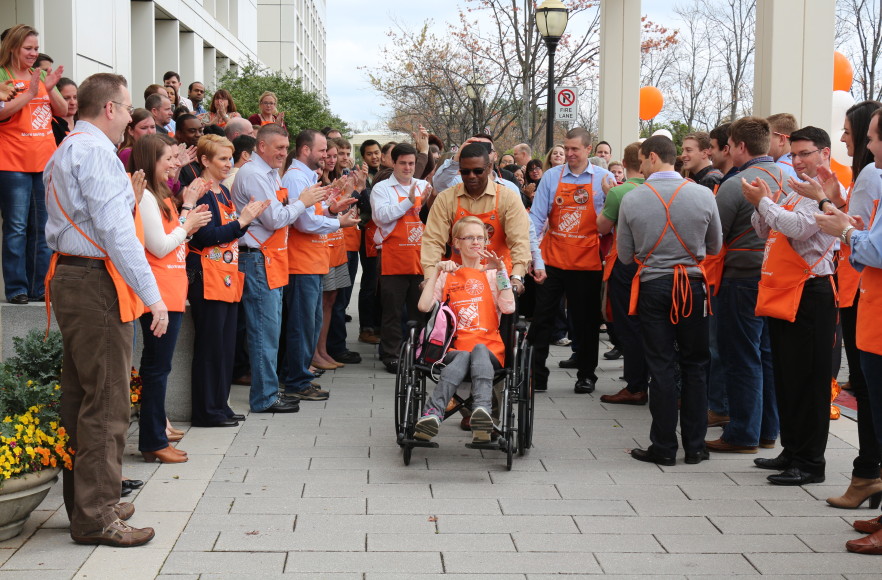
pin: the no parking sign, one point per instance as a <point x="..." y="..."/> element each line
<point x="566" y="103"/>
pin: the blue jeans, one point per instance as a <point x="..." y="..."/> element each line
<point x="716" y="376"/>
<point x="659" y="336"/>
<point x="156" y="364"/>
<point x="303" y="296"/>
<point x="25" y="252"/>
<point x="263" y="311"/>
<point x="745" y="351"/>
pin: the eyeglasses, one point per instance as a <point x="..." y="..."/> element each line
<point x="473" y="239"/>
<point x="478" y="171"/>
<point x="128" y="108"/>
<point x="267" y="103"/>
<point x="804" y="154"/>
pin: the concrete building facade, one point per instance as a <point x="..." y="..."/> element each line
<point x="200" y="39"/>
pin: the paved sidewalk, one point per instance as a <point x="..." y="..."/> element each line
<point x="324" y="494"/>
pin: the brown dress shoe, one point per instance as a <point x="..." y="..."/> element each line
<point x="368" y="337"/>
<point x="868" y="526"/>
<point x="626" y="397"/>
<point x="118" y="534"/>
<point x="767" y="443"/>
<point x="871" y="544"/>
<point x="124" y="510"/>
<point x="721" y="446"/>
<point x="167" y="455"/>
<point x="243" y="380"/>
<point x="716" y="420"/>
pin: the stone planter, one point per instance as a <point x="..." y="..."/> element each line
<point x="20" y="496"/>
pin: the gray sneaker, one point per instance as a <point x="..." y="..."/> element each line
<point x="482" y="425"/>
<point x="310" y="394"/>
<point x="426" y="427"/>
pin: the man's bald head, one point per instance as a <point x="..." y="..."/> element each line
<point x="238" y="126"/>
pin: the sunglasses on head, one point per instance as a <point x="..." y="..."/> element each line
<point x="477" y="171"/>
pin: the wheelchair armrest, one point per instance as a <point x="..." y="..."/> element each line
<point x="521" y="324"/>
<point x="411" y="323"/>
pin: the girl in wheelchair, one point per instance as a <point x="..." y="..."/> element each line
<point x="478" y="294"/>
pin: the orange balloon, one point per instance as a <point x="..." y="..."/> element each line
<point x="843" y="172"/>
<point x="843" y="73"/>
<point x="651" y="103"/>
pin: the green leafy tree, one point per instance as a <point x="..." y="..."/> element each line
<point x="303" y="109"/>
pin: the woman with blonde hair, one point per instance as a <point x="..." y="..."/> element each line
<point x="268" y="111"/>
<point x="555" y="156"/>
<point x="26" y="144"/>
<point x="216" y="287"/>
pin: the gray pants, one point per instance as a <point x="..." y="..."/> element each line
<point x="481" y="362"/>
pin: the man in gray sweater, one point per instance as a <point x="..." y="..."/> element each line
<point x="743" y="337"/>
<point x="668" y="225"/>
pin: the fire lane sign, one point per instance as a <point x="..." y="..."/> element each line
<point x="566" y="104"/>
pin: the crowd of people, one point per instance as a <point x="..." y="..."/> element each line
<point x="726" y="275"/>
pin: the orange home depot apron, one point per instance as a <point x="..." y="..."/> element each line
<point x="782" y="277"/>
<point x="477" y="319"/>
<point x="496" y="240"/>
<point x="869" y="329"/>
<point x="401" y="248"/>
<point x="275" y="250"/>
<point x="130" y="306"/>
<point x="308" y="253"/>
<point x="352" y="238"/>
<point x="170" y="271"/>
<point x="611" y="258"/>
<point x="714" y="263"/>
<point x="682" y="292"/>
<point x="26" y="137"/>
<point x="337" y="248"/>
<point x="370" y="246"/>
<point x="221" y="278"/>
<point x="571" y="241"/>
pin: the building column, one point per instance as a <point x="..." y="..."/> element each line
<point x="58" y="36"/>
<point x="209" y="66"/>
<point x="192" y="66"/>
<point x="143" y="23"/>
<point x="619" y="73"/>
<point x="168" y="48"/>
<point x="793" y="66"/>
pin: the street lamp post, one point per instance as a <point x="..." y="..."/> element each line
<point x="475" y="92"/>
<point x="551" y="20"/>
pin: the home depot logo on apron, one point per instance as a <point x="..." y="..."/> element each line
<point x="402" y="245"/>
<point x="571" y="242"/>
<point x="221" y="278"/>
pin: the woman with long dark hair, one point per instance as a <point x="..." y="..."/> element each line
<point x="865" y="191"/>
<point x="63" y="124"/>
<point x="166" y="232"/>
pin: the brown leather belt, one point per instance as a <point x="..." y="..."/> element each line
<point x="94" y="263"/>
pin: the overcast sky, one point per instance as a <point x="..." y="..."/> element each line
<point x="356" y="35"/>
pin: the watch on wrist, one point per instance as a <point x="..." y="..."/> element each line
<point x="844" y="235"/>
<point x="822" y="202"/>
<point x="518" y="278"/>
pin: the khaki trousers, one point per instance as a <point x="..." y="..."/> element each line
<point x="95" y="400"/>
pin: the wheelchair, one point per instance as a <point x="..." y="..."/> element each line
<point x="514" y="403"/>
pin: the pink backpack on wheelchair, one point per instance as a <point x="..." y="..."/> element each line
<point x="436" y="337"/>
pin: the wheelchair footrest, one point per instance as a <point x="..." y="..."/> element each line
<point x="499" y="444"/>
<point x="417" y="443"/>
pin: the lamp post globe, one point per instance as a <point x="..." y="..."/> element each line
<point x="551" y="20"/>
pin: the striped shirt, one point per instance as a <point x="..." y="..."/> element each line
<point x="799" y="225"/>
<point x="94" y="190"/>
<point x="296" y="179"/>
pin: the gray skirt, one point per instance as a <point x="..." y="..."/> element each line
<point x="336" y="278"/>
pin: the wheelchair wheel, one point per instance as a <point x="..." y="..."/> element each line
<point x="526" y="402"/>
<point x="407" y="391"/>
